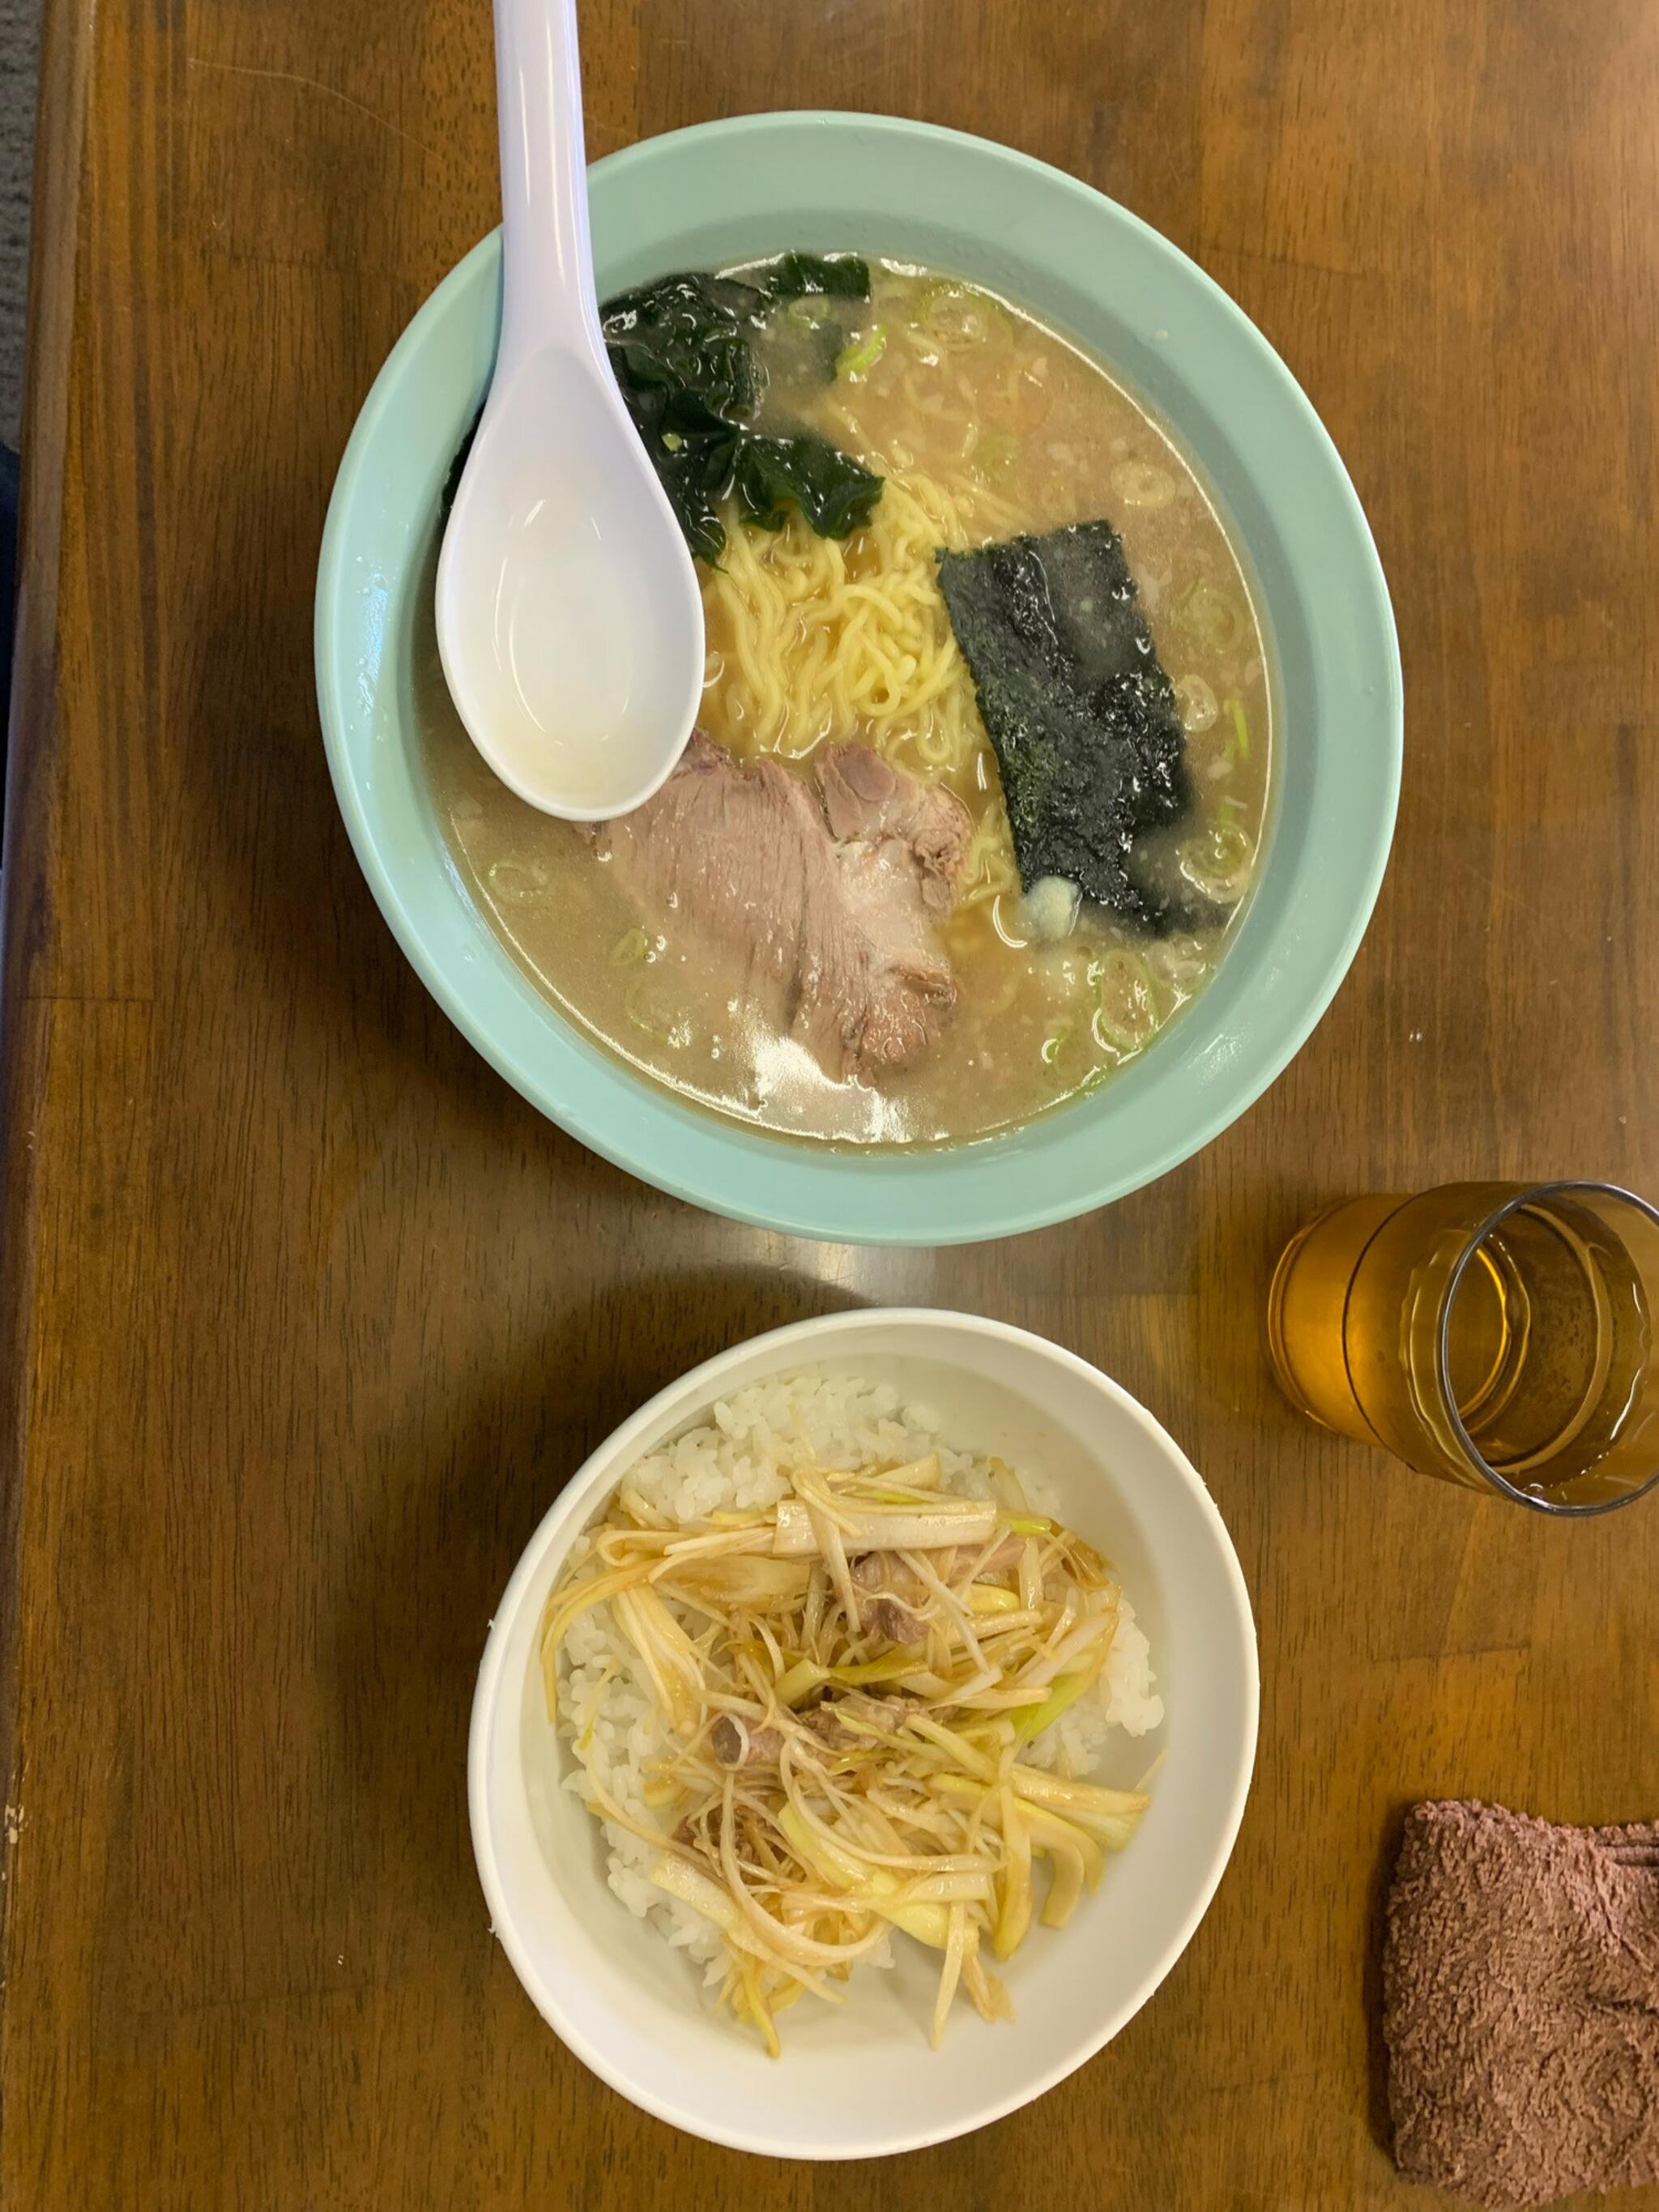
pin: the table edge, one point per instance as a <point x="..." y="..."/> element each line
<point x="67" y="35"/>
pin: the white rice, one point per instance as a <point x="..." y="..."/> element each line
<point x="737" y="1459"/>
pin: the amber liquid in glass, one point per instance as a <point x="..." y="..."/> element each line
<point x="1527" y="1352"/>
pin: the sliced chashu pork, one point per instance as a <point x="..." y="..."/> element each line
<point x="868" y="802"/>
<point x="823" y="892"/>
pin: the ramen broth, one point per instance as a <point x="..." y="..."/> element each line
<point x="984" y="425"/>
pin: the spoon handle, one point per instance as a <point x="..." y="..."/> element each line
<point x="547" y="256"/>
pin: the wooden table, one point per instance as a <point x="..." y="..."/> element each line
<point x="307" y="1316"/>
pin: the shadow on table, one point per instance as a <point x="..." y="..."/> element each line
<point x="267" y="875"/>
<point x="450" y="1497"/>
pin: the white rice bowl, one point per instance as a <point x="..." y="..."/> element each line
<point x="737" y="1458"/>
<point x="859" y="2079"/>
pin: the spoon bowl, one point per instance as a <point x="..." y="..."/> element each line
<point x="569" y="621"/>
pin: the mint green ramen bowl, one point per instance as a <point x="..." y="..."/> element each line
<point x="732" y="191"/>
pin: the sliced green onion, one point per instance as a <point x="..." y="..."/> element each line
<point x="671" y="441"/>
<point x="1082" y="1802"/>
<point x="807" y="315"/>
<point x="1214" y="860"/>
<point x="987" y="1597"/>
<point x="1113" y="1034"/>
<point x="633" y="945"/>
<point x="1054" y="1044"/>
<point x="955" y="314"/>
<point x="873" y="1887"/>
<point x="993" y="456"/>
<point x="1196" y="702"/>
<point x="935" y="1528"/>
<point x="799" y="1680"/>
<point x="1030" y="1721"/>
<point x="1138" y="483"/>
<point x="1006" y="1485"/>
<point x="793" y="1684"/>
<point x="1238" y="745"/>
<point x="634" y="1008"/>
<point x="1108" y="1029"/>
<point x="854" y="360"/>
<point x="1213" y="615"/>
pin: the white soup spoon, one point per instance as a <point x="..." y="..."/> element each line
<point x="569" y="621"/>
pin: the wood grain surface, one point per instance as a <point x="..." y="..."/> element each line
<point x="307" y="1316"/>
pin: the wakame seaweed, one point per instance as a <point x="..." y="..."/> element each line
<point x="773" y="475"/>
<point x="809" y="275"/>
<point x="683" y="350"/>
<point x="689" y="333"/>
<point x="1080" y="714"/>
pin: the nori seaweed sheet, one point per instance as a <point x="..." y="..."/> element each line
<point x="1080" y="714"/>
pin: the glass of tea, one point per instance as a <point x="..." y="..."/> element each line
<point x="1497" y="1335"/>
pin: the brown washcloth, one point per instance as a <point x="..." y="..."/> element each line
<point x="1521" y="2004"/>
